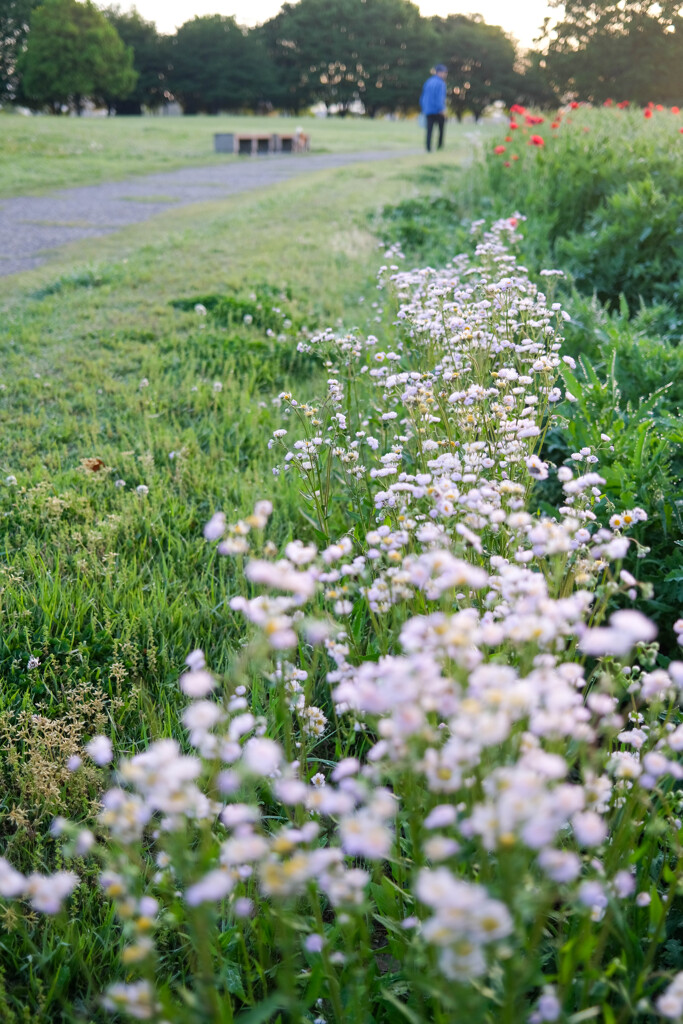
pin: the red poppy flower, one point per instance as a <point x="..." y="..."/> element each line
<point x="675" y="110"/>
<point x="680" y="130"/>
<point x="512" y="221"/>
<point x="508" y="138"/>
<point x="650" y="104"/>
<point x="515" y="157"/>
<point x="513" y="125"/>
<point x="516" y="108"/>
<point x="608" y="103"/>
<point x="537" y="140"/>
<point x="507" y="164"/>
<point x="574" y="105"/>
<point x="555" y="124"/>
<point x="623" y="104"/>
<point x="648" y="113"/>
<point x="499" y="149"/>
<point x="659" y="107"/>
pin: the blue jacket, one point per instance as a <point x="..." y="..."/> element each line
<point x="433" y="98"/>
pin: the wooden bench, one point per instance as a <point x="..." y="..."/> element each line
<point x="297" y="142"/>
<point x="252" y="143"/>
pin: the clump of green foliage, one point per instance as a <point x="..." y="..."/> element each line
<point x="603" y="198"/>
<point x="602" y="202"/>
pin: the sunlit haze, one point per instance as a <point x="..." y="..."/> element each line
<point x="521" y="20"/>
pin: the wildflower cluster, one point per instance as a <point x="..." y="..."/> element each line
<point x="450" y="733"/>
<point x="522" y="121"/>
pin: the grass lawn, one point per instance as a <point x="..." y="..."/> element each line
<point x="38" y="154"/>
<point x="139" y="385"/>
<point x="108" y="587"/>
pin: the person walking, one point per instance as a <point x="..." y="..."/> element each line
<point x="433" y="103"/>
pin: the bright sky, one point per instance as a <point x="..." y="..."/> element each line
<point x="520" y="20"/>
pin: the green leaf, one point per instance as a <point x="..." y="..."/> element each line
<point x="566" y="967"/>
<point x="261" y="1013"/>
<point x="608" y="1014"/>
<point x="643" y="432"/>
<point x="233" y="980"/>
<point x="404" y="1010"/>
<point x="656" y="909"/>
<point x="589" y="1014"/>
<point x="572" y="383"/>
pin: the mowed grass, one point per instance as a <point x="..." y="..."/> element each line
<point x="109" y="587"/>
<point x="38" y="154"/>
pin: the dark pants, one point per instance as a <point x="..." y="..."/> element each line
<point x="433" y="119"/>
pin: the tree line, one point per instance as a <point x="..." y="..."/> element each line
<point x="56" y="54"/>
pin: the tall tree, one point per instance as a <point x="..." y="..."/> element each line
<point x="396" y="53"/>
<point x="481" y="63"/>
<point x="73" y="54"/>
<point x="621" y="49"/>
<point x="318" y="46"/>
<point x="14" y="21"/>
<point x="150" y="60"/>
<point x="534" y="88"/>
<point x="338" y="51"/>
<point x="293" y="86"/>
<point x="215" y="64"/>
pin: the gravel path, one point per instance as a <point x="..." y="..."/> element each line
<point x="32" y="225"/>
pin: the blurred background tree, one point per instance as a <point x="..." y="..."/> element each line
<point x="374" y="53"/>
<point x="325" y="38"/>
<point x="481" y="63"/>
<point x="341" y="51"/>
<point x="397" y="50"/>
<point x="73" y="54"/>
<point x="215" y="64"/>
<point x="14" y="25"/>
<point x="617" y="49"/>
<point x="150" y="61"/>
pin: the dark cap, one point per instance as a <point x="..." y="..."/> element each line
<point x="441" y="67"/>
